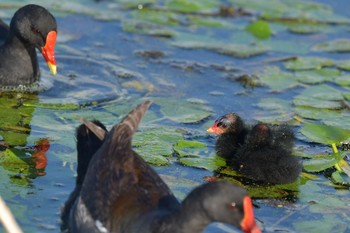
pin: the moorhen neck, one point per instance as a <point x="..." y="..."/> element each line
<point x="31" y="27"/>
<point x="231" y="132"/>
<point x="267" y="155"/>
<point x="122" y="193"/>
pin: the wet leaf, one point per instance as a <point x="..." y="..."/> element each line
<point x="343" y="80"/>
<point x="208" y="22"/>
<point x="278" y="80"/>
<point x="183" y="111"/>
<point x="260" y="29"/>
<point x="186" y="148"/>
<point x="340" y="178"/>
<point x="155" y="143"/>
<point x="338" y="45"/>
<point x="343" y="64"/>
<point x="158" y="17"/>
<point x="319" y="163"/>
<point x="317" y="113"/>
<point x="208" y="163"/>
<point x="317" y="76"/>
<point x="192" y="6"/>
<point x="308" y="63"/>
<point x="307" y="28"/>
<point x="147" y="28"/>
<point x="325" y="134"/>
<point x="332" y="224"/>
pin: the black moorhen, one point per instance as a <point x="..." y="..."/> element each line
<point x="122" y="193"/>
<point x="232" y="133"/>
<point x="267" y="155"/>
<point x="31" y="27"/>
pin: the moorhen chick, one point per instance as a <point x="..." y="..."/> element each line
<point x="122" y="193"/>
<point x="31" y="27"/>
<point x="267" y="155"/>
<point x="231" y="132"/>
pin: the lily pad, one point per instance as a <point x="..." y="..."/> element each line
<point x="325" y="134"/>
<point x="317" y="76"/>
<point x="192" y="6"/>
<point x="183" y="111"/>
<point x="278" y="80"/>
<point x="340" y="178"/>
<point x="158" y="17"/>
<point x="322" y="162"/>
<point x="317" y="113"/>
<point x="343" y="64"/>
<point x="307" y="28"/>
<point x="208" y="163"/>
<point x="338" y="45"/>
<point x="332" y="224"/>
<point x="260" y="29"/>
<point x="308" y="63"/>
<point x="186" y="148"/>
<point x="155" y="144"/>
<point x="343" y="80"/>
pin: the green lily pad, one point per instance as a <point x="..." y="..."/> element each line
<point x="260" y="29"/>
<point x="137" y="26"/>
<point x="277" y="80"/>
<point x="183" y="111"/>
<point x="317" y="113"/>
<point x="274" y="104"/>
<point x="320" y="96"/>
<point x="332" y="224"/>
<point x="317" y="76"/>
<point x="158" y="17"/>
<point x="340" y="178"/>
<point x="208" y="22"/>
<point x="343" y="80"/>
<point x="135" y="3"/>
<point x="155" y="144"/>
<point x="308" y="63"/>
<point x="307" y="28"/>
<point x="192" y="6"/>
<point x="325" y="134"/>
<point x="343" y="64"/>
<point x="209" y="163"/>
<point x="338" y="45"/>
<point x="322" y="162"/>
<point x="186" y="148"/>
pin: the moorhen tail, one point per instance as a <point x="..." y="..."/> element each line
<point x="31" y="27"/>
<point x="122" y="193"/>
<point x="231" y="132"/>
<point x="267" y="155"/>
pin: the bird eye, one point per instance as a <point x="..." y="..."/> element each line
<point x="232" y="205"/>
<point x="35" y="30"/>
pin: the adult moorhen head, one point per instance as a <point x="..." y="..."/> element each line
<point x="122" y="193"/>
<point x="231" y="132"/>
<point x="31" y="27"/>
<point x="267" y="155"/>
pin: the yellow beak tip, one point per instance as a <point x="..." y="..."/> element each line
<point x="52" y="68"/>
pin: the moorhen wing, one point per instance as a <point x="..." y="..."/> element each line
<point x="122" y="193"/>
<point x="31" y="27"/>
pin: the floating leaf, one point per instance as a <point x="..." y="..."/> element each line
<point x="260" y="29"/>
<point x="307" y="28"/>
<point x="208" y="22"/>
<point x="186" y="148"/>
<point x="191" y="6"/>
<point x="308" y="63"/>
<point x="183" y="111"/>
<point x="317" y="76"/>
<point x="338" y="45"/>
<point x="208" y="163"/>
<point x="278" y="80"/>
<point x="340" y="178"/>
<point x="332" y="224"/>
<point x="317" y="113"/>
<point x="158" y="17"/>
<point x="343" y="80"/>
<point x="343" y="64"/>
<point x="325" y="134"/>
<point x="147" y="28"/>
<point x="322" y="162"/>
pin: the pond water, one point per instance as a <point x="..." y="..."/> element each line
<point x="196" y="65"/>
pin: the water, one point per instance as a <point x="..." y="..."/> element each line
<point x="97" y="62"/>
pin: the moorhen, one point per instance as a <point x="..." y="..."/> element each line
<point x="31" y="27"/>
<point x="267" y="155"/>
<point x="231" y="132"/>
<point x="122" y="193"/>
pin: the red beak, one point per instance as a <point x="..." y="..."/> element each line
<point x="248" y="223"/>
<point x="48" y="51"/>
<point x="215" y="129"/>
